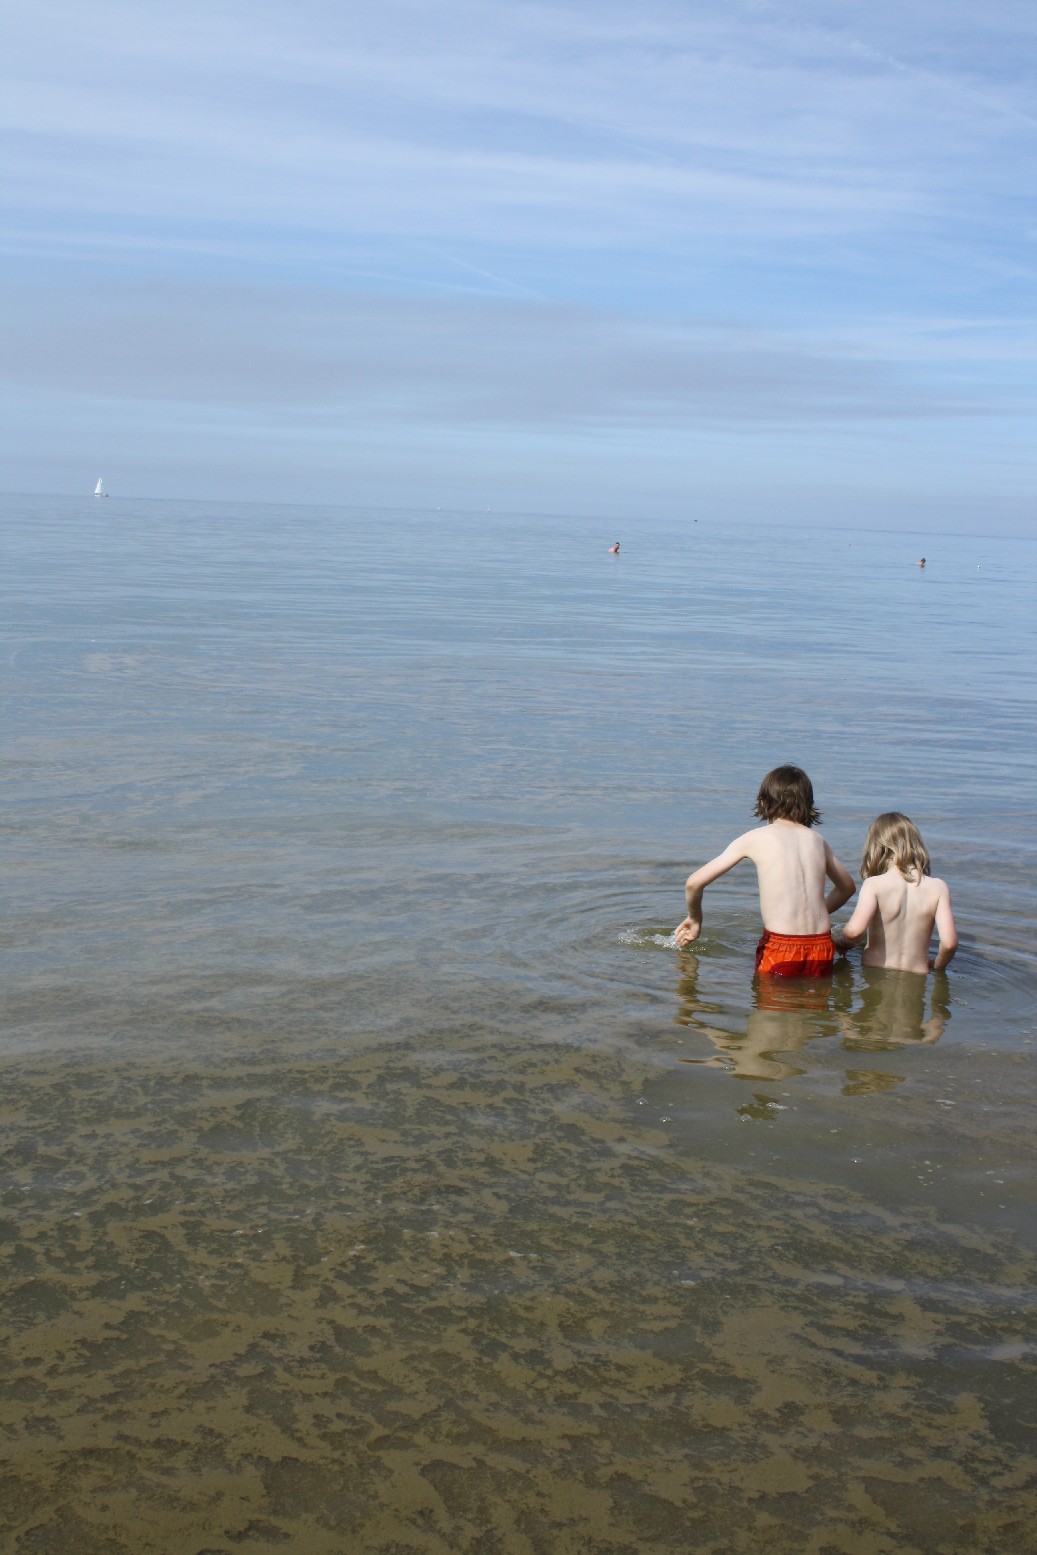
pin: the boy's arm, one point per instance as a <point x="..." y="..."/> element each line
<point x="946" y="930"/>
<point x="695" y="885"/>
<point x="857" y="927"/>
<point x="842" y="881"/>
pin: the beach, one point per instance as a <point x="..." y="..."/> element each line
<point x="377" y="1176"/>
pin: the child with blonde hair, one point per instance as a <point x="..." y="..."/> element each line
<point x="900" y="903"/>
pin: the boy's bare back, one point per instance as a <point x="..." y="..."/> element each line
<point x="899" y="916"/>
<point x="792" y="863"/>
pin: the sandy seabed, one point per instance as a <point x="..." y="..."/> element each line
<point x="468" y="1301"/>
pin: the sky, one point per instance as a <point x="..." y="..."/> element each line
<point x="733" y="259"/>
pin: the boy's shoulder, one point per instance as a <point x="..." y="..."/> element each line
<point x="749" y="840"/>
<point x="775" y="836"/>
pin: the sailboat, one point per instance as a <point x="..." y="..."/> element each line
<point x="99" y="490"/>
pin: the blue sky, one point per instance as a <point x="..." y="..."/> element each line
<point x="742" y="259"/>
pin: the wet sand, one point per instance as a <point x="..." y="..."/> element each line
<point x="418" y="1300"/>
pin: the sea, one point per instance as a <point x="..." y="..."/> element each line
<point x="377" y="1176"/>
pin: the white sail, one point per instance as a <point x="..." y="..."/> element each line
<point x="99" y="490"/>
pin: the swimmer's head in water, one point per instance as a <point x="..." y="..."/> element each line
<point x="787" y="794"/>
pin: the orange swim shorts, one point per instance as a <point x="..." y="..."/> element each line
<point x="795" y="955"/>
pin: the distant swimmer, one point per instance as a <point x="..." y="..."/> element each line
<point x="614" y="549"/>
<point x="921" y="562"/>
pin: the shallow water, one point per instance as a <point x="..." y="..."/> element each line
<point x="377" y="1176"/>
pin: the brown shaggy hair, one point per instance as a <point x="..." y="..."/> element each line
<point x="787" y="794"/>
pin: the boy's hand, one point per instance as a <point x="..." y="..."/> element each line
<point x="841" y="945"/>
<point x="687" y="931"/>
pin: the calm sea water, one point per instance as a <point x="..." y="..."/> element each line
<point x="376" y="1175"/>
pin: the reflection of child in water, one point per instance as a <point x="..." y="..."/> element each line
<point x="900" y="903"/>
<point x="784" y="1016"/>
<point x="892" y="1012"/>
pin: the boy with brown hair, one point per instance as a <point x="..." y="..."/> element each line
<point x="792" y="864"/>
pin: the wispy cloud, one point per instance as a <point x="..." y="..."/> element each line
<point x="563" y="123"/>
<point x="548" y="215"/>
<point x="516" y="363"/>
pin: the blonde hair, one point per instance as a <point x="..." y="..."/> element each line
<point x="895" y="839"/>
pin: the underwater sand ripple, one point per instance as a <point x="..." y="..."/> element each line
<point x="399" y="1303"/>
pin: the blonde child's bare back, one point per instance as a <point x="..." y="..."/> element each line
<point x="900" y="915"/>
<point x="900" y="904"/>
